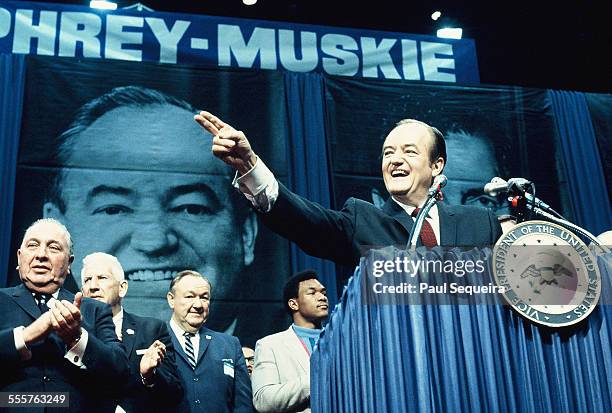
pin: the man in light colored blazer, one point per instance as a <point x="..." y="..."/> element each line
<point x="281" y="376"/>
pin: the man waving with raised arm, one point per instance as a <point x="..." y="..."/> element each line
<point x="413" y="154"/>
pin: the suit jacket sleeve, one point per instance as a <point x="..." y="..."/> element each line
<point x="243" y="399"/>
<point x="104" y="355"/>
<point x="269" y="394"/>
<point x="496" y="229"/>
<point x="167" y="386"/>
<point x="9" y="357"/>
<point x="318" y="231"/>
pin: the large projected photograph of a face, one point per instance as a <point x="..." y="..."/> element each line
<point x="131" y="174"/>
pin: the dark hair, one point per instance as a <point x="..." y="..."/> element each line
<point x="123" y="96"/>
<point x="91" y="111"/>
<point x="292" y="286"/>
<point x="438" y="148"/>
<point x="188" y="273"/>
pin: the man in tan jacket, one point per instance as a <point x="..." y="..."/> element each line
<point x="281" y="377"/>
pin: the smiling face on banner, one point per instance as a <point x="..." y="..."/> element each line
<point x="153" y="196"/>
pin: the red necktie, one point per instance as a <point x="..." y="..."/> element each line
<point x="428" y="237"/>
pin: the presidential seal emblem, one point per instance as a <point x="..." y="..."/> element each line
<point x="549" y="275"/>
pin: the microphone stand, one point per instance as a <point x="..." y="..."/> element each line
<point x="432" y="197"/>
<point x="568" y="225"/>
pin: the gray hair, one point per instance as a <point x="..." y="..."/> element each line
<point x="55" y="222"/>
<point x="188" y="273"/>
<point x="110" y="260"/>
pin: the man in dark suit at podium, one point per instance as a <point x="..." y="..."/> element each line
<point x="51" y="340"/>
<point x="412" y="155"/>
<point x="153" y="384"/>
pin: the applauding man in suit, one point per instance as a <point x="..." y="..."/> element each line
<point x="51" y="340"/>
<point x="153" y="385"/>
<point x="281" y="376"/>
<point x="211" y="364"/>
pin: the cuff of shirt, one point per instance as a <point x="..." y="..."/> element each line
<point x="20" y="344"/>
<point x="75" y="354"/>
<point x="258" y="185"/>
<point x="146" y="383"/>
<point x="255" y="180"/>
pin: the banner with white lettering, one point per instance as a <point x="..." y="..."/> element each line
<point x="77" y="31"/>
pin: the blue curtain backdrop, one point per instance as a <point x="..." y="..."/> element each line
<point x="582" y="160"/>
<point x="308" y="160"/>
<point x="12" y="78"/>
<point x="460" y="358"/>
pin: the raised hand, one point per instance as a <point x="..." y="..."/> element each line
<point x="39" y="329"/>
<point x="152" y="359"/>
<point x="66" y="320"/>
<point x="229" y="145"/>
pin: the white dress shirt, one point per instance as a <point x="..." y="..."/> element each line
<point x="178" y="332"/>
<point x="118" y="321"/>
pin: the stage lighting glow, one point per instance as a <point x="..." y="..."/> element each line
<point x="436" y="15"/>
<point x="450" y="32"/>
<point x="249" y="2"/>
<point x="104" y="5"/>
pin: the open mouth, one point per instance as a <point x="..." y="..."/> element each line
<point x="398" y="173"/>
<point x="151" y="275"/>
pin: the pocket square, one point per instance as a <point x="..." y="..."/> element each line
<point x="129" y="331"/>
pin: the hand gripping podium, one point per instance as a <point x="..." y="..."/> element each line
<point x="439" y="352"/>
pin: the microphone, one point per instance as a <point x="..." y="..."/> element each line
<point x="499" y="185"/>
<point x="439" y="182"/>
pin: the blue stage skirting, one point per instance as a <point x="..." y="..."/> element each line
<point x="460" y="358"/>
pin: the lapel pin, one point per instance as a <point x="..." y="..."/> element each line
<point x="208" y="337"/>
<point x="129" y="331"/>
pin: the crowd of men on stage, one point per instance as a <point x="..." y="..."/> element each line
<point x="110" y="360"/>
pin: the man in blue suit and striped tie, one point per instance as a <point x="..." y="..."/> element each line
<point x="210" y="364"/>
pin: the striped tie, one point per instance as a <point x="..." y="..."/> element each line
<point x="189" y="350"/>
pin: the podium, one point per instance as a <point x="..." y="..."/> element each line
<point x="460" y="358"/>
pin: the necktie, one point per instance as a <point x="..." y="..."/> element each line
<point x="189" y="350"/>
<point x="42" y="300"/>
<point x="428" y="237"/>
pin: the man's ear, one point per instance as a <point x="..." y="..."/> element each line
<point x="293" y="304"/>
<point x="123" y="288"/>
<point x="437" y="167"/>
<point x="170" y="298"/>
<point x="50" y="210"/>
<point x="70" y="261"/>
<point x="249" y="234"/>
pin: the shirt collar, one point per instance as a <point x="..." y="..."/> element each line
<point x="305" y="331"/>
<point x="178" y="331"/>
<point x="433" y="212"/>
<point x="119" y="317"/>
<point x="54" y="295"/>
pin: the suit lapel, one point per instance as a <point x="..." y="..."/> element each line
<point x="296" y="349"/>
<point x="395" y="211"/>
<point x="448" y="225"/>
<point x="128" y="339"/>
<point x="65" y="295"/>
<point x="25" y="300"/>
<point x="177" y="345"/>
<point x="205" y="339"/>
